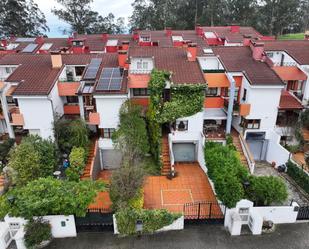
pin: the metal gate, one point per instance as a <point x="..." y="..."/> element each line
<point x="206" y="212"/>
<point x="96" y="220"/>
<point x="303" y="213"/>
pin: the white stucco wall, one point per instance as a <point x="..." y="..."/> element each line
<point x="62" y="226"/>
<point x="305" y="69"/>
<point x="108" y="107"/>
<point x="38" y="115"/>
<point x="275" y="152"/>
<point x="58" y="101"/>
<point x="276" y="58"/>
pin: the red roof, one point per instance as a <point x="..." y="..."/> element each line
<point x="173" y="60"/>
<point x="239" y="59"/>
<point x="289" y="102"/>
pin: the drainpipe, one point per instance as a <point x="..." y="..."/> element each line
<point x="5" y="110"/>
<point x="231" y="103"/>
<point x="81" y="106"/>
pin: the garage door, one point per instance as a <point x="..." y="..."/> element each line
<point x="111" y="159"/>
<point x="184" y="152"/>
<point x="258" y="149"/>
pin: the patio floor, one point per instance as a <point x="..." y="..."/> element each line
<point x="299" y="157"/>
<point x="190" y="185"/>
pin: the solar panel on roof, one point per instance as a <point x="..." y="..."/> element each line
<point x="110" y="80"/>
<point x="30" y="48"/>
<point x="25" y="39"/>
<point x="93" y="68"/>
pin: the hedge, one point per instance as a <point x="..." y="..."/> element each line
<point x="299" y="176"/>
<point x="229" y="175"/>
<point x="152" y="220"/>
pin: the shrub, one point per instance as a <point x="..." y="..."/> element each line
<point x="49" y="196"/>
<point x="299" y="176"/>
<point x="33" y="158"/>
<point x="228" y="174"/>
<point x="137" y="202"/>
<point x="126" y="184"/>
<point x="266" y="190"/>
<point x="152" y="220"/>
<point x="37" y="231"/>
<point x="5" y="148"/>
<point x="71" y="133"/>
<point x="305" y="119"/>
<point x="77" y="164"/>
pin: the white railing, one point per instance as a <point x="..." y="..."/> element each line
<point x="286" y="64"/>
<point x="170" y="150"/>
<point x="139" y="71"/>
<point x="247" y="153"/>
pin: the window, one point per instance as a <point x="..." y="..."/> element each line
<point x="251" y="123"/>
<point x="63" y="224"/>
<point x="78" y="43"/>
<point x="270" y="55"/>
<point x="141" y="92"/>
<point x="107" y="132"/>
<point x="8" y="70"/>
<point x="79" y="71"/>
<point x="72" y="99"/>
<point x="182" y="125"/>
<point x="213" y="91"/>
<point x="142" y="65"/>
<point x="145" y="38"/>
<point x="244" y="97"/>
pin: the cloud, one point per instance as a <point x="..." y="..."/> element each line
<point x="120" y="8"/>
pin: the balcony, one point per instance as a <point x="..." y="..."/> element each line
<point x="214" y="131"/>
<point x="94" y="118"/>
<point x="244" y="109"/>
<point x="71" y="109"/>
<point x="68" y="88"/>
<point x="16" y="118"/>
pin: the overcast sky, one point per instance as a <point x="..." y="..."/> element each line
<point x="120" y="8"/>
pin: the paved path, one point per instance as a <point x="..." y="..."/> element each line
<point x="295" y="236"/>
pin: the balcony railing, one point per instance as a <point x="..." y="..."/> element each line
<point x="68" y="88"/>
<point x="71" y="109"/>
<point x="15" y="117"/>
<point x="94" y="118"/>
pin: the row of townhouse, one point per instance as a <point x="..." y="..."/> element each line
<point x="255" y="84"/>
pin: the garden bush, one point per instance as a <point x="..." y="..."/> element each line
<point x="5" y="148"/>
<point x="137" y="202"/>
<point x="152" y="220"/>
<point x="299" y="176"/>
<point x="37" y="231"/>
<point x="77" y="164"/>
<point x="229" y="175"/>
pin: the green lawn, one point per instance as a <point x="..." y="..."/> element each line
<point x="296" y="36"/>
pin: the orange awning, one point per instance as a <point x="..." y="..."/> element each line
<point x="138" y="80"/>
<point x="11" y="90"/>
<point x="216" y="80"/>
<point x="290" y="73"/>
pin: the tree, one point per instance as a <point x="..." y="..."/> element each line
<point x="82" y="19"/>
<point x="21" y="18"/>
<point x="77" y="164"/>
<point x="49" y="196"/>
<point x="267" y="190"/>
<point x="33" y="158"/>
<point x="241" y="12"/>
<point x="126" y="184"/>
<point x="131" y="135"/>
<point x="37" y="231"/>
<point x="5" y="148"/>
<point x="70" y="133"/>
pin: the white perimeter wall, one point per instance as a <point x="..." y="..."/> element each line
<point x="108" y="107"/>
<point x="275" y="152"/>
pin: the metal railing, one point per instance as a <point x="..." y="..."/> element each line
<point x="247" y="153"/>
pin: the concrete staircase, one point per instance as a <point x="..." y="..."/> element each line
<point x="165" y="152"/>
<point x="237" y="143"/>
<point x="1" y="183"/>
<point x="91" y="154"/>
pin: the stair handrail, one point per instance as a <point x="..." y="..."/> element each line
<point x="93" y="159"/>
<point x="247" y="153"/>
<point x="170" y="151"/>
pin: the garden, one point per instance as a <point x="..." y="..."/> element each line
<point x="33" y="190"/>
<point x="233" y="182"/>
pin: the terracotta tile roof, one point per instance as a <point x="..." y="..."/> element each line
<point x="138" y="80"/>
<point x="225" y="32"/>
<point x="239" y="59"/>
<point x="290" y="73"/>
<point x="173" y="60"/>
<point x="299" y="50"/>
<point x="35" y="74"/>
<point x="288" y="101"/>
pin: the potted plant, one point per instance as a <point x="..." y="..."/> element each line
<point x="37" y="233"/>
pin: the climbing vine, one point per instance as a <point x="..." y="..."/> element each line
<point x="186" y="100"/>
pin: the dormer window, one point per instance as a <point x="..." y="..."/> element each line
<point x="78" y="43"/>
<point x="145" y="38"/>
<point x="142" y="65"/>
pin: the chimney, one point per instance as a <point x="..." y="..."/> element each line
<point x="257" y="50"/>
<point x="122" y="58"/>
<point x="247" y="40"/>
<point x="192" y="51"/>
<point x="199" y="30"/>
<point x="307" y="35"/>
<point x="75" y="34"/>
<point x="70" y="40"/>
<point x="39" y="40"/>
<point x="125" y="45"/>
<point x="168" y="31"/>
<point x="135" y="34"/>
<point x="235" y="28"/>
<point x="104" y="36"/>
<point x="56" y="60"/>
